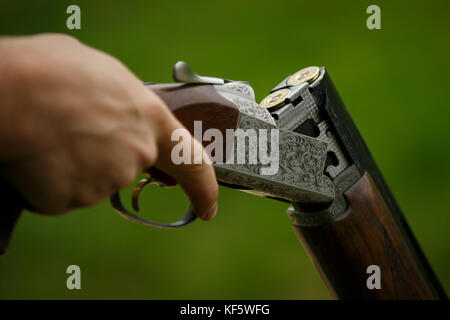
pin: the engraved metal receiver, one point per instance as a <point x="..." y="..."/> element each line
<point x="311" y="161"/>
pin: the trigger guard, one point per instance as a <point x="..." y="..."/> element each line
<point x="117" y="205"/>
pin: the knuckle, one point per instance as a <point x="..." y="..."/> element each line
<point x="158" y="114"/>
<point x="156" y="110"/>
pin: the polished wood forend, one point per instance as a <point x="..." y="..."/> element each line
<point x="365" y="234"/>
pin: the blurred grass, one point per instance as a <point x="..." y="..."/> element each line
<point x="394" y="82"/>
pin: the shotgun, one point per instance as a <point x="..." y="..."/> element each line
<point x="341" y="207"/>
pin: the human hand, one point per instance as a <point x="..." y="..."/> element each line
<point x="76" y="125"/>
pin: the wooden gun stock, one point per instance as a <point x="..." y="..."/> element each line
<point x="191" y="102"/>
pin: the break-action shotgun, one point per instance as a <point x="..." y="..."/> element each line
<point x="342" y="209"/>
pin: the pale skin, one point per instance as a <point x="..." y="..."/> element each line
<point x="76" y="125"/>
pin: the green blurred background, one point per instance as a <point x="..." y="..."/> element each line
<point x="394" y="82"/>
